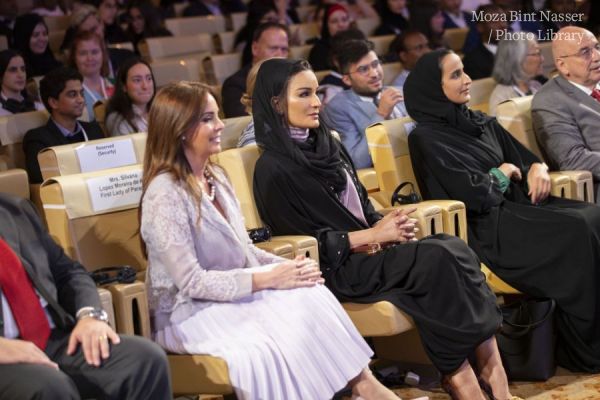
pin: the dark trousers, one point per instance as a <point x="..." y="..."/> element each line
<point x="137" y="369"/>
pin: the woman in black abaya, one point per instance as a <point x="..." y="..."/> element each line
<point x="305" y="183"/>
<point x="541" y="245"/>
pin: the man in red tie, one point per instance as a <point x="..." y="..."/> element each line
<point x="566" y="110"/>
<point x="55" y="342"/>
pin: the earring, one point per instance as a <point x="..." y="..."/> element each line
<point x="183" y="138"/>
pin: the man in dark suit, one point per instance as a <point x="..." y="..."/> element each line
<point x="271" y="39"/>
<point x="479" y="61"/>
<point x="62" y="93"/>
<point x="54" y="339"/>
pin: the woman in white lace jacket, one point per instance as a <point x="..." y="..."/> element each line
<point x="212" y="292"/>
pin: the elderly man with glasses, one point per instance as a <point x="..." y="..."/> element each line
<point x="366" y="102"/>
<point x="566" y="110"/>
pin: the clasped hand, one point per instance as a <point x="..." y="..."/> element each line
<point x="538" y="180"/>
<point x="299" y="272"/>
<point x="396" y="226"/>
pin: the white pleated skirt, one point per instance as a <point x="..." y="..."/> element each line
<point x="278" y="344"/>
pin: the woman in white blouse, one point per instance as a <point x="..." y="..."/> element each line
<point x="517" y="64"/>
<point x="281" y="332"/>
<point x="127" y="110"/>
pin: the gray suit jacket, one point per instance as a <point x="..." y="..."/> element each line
<point x="64" y="283"/>
<point x="349" y="116"/>
<point x="567" y="126"/>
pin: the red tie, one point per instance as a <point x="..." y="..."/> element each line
<point x="596" y="94"/>
<point x="22" y="299"/>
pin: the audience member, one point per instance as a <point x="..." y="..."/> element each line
<point x="530" y="239"/>
<point x="332" y="83"/>
<point x="357" y="9"/>
<point x="517" y="7"/>
<point x="55" y="342"/>
<point x="259" y="12"/>
<point x="88" y="55"/>
<point x="305" y="184"/>
<point x="566" y="110"/>
<point x="280" y="331"/>
<point x="454" y="17"/>
<point x="13" y="78"/>
<point x="62" y="93"/>
<point x="286" y="11"/>
<point x="479" y="61"/>
<point x="127" y="110"/>
<point x="517" y="64"/>
<point x="31" y="40"/>
<point x="213" y="7"/>
<point x="559" y="11"/>
<point x="107" y="11"/>
<point x="394" y="17"/>
<point x="144" y="22"/>
<point x="247" y="137"/>
<point x="336" y="19"/>
<point x="409" y="46"/>
<point x="367" y="102"/>
<point x="86" y="18"/>
<point x="428" y="19"/>
<point x="270" y="40"/>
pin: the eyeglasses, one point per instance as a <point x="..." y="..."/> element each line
<point x="419" y="47"/>
<point x="585" y="53"/>
<point x="536" y="54"/>
<point x="365" y="69"/>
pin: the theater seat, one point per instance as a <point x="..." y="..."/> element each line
<point x="219" y="67"/>
<point x="377" y="319"/>
<point x="515" y="116"/>
<point x="177" y="46"/>
<point x="481" y="90"/>
<point x="391" y="71"/>
<point x="382" y="44"/>
<point x="454" y="38"/>
<point x="233" y="130"/>
<point x="192" y="25"/>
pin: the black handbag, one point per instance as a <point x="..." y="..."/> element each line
<point x="118" y="274"/>
<point x="527" y="341"/>
<point x="411" y="198"/>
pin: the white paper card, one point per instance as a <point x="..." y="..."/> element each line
<point x="114" y="191"/>
<point x="105" y="155"/>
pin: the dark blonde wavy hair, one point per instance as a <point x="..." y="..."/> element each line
<point x="175" y="113"/>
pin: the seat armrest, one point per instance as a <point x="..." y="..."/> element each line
<point x="302" y="245"/>
<point x="454" y="217"/>
<point x="278" y="247"/>
<point x="497" y="285"/>
<point x="131" y="308"/>
<point x="582" y="185"/>
<point x="561" y="185"/>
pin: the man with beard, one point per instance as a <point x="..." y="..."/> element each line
<point x="366" y="102"/>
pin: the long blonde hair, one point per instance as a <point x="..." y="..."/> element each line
<point x="175" y="113"/>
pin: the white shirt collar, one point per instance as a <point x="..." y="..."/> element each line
<point x="586" y="90"/>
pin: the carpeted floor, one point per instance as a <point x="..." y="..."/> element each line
<point x="563" y="386"/>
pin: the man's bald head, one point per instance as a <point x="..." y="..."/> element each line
<point x="576" y="55"/>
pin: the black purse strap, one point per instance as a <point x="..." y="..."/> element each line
<point x="411" y="198"/>
<point x="524" y="329"/>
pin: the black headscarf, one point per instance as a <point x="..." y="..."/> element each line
<point x="36" y="64"/>
<point x="320" y="154"/>
<point x="426" y="102"/>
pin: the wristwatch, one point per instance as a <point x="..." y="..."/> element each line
<point x="96" y="313"/>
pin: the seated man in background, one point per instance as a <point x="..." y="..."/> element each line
<point x="61" y="91"/>
<point x="55" y="342"/>
<point x="366" y="102"/>
<point x="409" y="46"/>
<point x="482" y="42"/>
<point x="566" y="110"/>
<point x="270" y="39"/>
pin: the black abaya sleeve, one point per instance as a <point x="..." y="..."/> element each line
<point x="514" y="152"/>
<point x="445" y="171"/>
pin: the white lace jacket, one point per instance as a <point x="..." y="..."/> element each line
<point x="191" y="263"/>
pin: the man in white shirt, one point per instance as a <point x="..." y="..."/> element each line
<point x="566" y="110"/>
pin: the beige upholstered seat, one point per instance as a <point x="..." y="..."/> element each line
<point x="55" y="39"/>
<point x="481" y="89"/>
<point x="548" y="64"/>
<point x="176" y="69"/>
<point x="225" y="42"/>
<point x="237" y="21"/>
<point x="300" y="52"/>
<point x="177" y="46"/>
<point x="454" y="38"/>
<point x="3" y="43"/>
<point x="57" y="23"/>
<point x="193" y="25"/>
<point x="233" y="130"/>
<point x="13" y="129"/>
<point x="515" y="116"/>
<point x="305" y="31"/>
<point x="382" y="44"/>
<point x="368" y="25"/>
<point x="390" y="71"/>
<point x="219" y="67"/>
